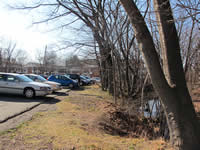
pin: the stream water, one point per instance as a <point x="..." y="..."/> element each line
<point x="152" y="109"/>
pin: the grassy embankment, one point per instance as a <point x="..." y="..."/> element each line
<point x="75" y="125"/>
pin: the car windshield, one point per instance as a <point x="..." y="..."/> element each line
<point x="96" y="78"/>
<point x="82" y="77"/>
<point x="24" y="78"/>
<point x="67" y="77"/>
<point x="41" y="78"/>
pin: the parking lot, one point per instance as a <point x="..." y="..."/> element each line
<point x="14" y="106"/>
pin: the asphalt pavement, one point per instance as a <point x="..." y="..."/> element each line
<point x="14" y="105"/>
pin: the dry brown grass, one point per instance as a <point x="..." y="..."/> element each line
<point x="195" y="93"/>
<point x="74" y="125"/>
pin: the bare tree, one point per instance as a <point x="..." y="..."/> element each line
<point x="47" y="60"/>
<point x="169" y="82"/>
<point x="21" y="56"/>
<point x="192" y="9"/>
<point x="8" y="52"/>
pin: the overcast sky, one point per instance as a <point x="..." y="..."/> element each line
<point x="17" y="26"/>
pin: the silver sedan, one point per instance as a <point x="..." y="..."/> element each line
<point x="11" y="83"/>
<point x="37" y="78"/>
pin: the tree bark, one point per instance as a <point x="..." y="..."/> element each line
<point x="172" y="89"/>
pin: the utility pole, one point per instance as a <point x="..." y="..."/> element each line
<point x="45" y="60"/>
<point x="1" y="60"/>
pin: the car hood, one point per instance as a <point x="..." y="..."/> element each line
<point x="51" y="83"/>
<point x="85" y="80"/>
<point x="39" y="84"/>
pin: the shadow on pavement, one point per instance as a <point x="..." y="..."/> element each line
<point x="60" y="94"/>
<point x="22" y="99"/>
<point x="51" y="100"/>
<point x="81" y="88"/>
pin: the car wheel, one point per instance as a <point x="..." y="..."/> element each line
<point x="29" y="93"/>
<point x="71" y="86"/>
<point x="81" y="83"/>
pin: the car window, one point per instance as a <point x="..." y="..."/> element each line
<point x="2" y="78"/>
<point x="63" y="78"/>
<point x="30" y="77"/>
<point x="10" y="78"/>
<point x="40" y="78"/>
<point x="52" y="77"/>
<point x="24" y="78"/>
<point x="33" y="78"/>
<point x="66" y="77"/>
<point x="82" y="77"/>
<point x="72" y="76"/>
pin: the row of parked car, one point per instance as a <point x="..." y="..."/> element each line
<point x="31" y="85"/>
<point x="73" y="80"/>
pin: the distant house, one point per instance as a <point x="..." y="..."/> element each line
<point x="32" y="67"/>
<point x="37" y="68"/>
<point x="11" y="66"/>
<point x="85" y="66"/>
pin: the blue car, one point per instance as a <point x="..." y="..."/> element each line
<point x="63" y="80"/>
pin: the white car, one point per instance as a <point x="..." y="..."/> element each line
<point x="37" y="78"/>
<point x="11" y="83"/>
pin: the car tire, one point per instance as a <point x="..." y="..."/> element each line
<point x="71" y="86"/>
<point x="81" y="83"/>
<point x="29" y="93"/>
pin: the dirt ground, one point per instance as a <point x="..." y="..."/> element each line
<point x="82" y="120"/>
<point x="196" y="98"/>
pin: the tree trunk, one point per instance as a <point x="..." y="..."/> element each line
<point x="110" y="74"/>
<point x="173" y="69"/>
<point x="181" y="117"/>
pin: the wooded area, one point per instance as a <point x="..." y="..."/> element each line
<point x="138" y="44"/>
